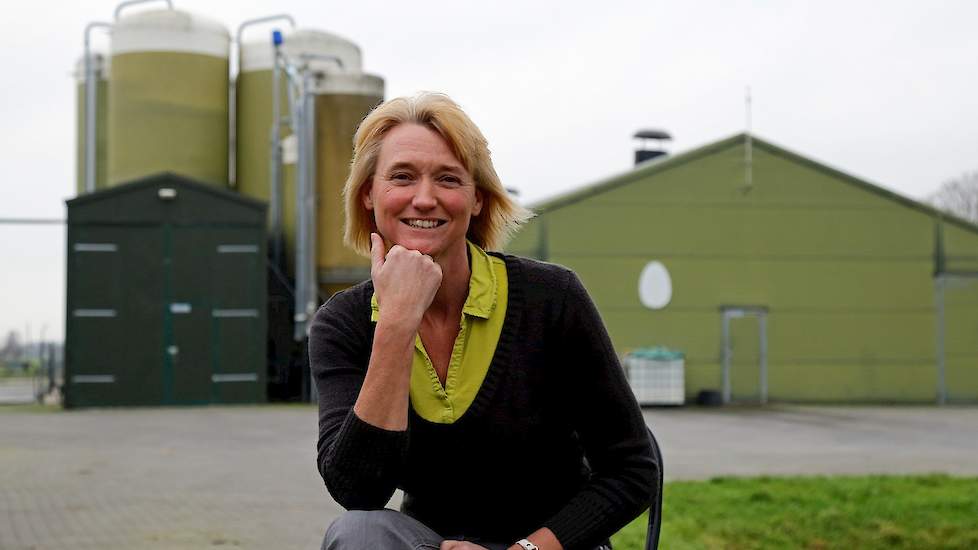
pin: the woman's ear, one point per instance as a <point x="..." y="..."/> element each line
<point x="368" y="202"/>
<point x="477" y="207"/>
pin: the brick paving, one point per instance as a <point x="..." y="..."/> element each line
<point x="167" y="479"/>
<point x="245" y="477"/>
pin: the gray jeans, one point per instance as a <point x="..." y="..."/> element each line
<point x="386" y="530"/>
<point x="389" y="530"/>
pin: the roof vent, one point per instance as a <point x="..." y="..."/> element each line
<point x="644" y="152"/>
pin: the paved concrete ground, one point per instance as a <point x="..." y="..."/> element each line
<point x="246" y="478"/>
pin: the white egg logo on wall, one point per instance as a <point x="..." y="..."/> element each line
<point x="654" y="286"/>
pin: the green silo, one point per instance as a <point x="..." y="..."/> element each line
<point x="102" y="68"/>
<point x="342" y="101"/>
<point x="344" y="95"/>
<point x="168" y="97"/>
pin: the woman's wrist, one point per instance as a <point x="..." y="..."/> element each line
<point x="397" y="326"/>
<point x="542" y="538"/>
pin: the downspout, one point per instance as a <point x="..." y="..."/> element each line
<point x="940" y="283"/>
<point x="302" y="106"/>
<point x="295" y="122"/>
<point x="275" y="154"/>
<point x="309" y="127"/>
<point x="309" y="198"/>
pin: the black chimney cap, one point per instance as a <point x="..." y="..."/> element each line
<point x="652" y="134"/>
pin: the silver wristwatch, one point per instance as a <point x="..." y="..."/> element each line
<point x="527" y="545"/>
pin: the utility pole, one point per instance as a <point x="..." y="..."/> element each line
<point x="748" y="146"/>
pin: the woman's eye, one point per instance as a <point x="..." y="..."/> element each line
<point x="400" y="176"/>
<point x="450" y="179"/>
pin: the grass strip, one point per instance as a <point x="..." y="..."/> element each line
<point x="918" y="512"/>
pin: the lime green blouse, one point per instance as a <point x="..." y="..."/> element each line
<point x="482" y="321"/>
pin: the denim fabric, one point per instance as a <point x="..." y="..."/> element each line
<point x="389" y="530"/>
<point x="376" y="529"/>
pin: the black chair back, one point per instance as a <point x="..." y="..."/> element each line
<point x="655" y="507"/>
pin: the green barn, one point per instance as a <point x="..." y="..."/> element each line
<point x="780" y="278"/>
<point x="166" y="297"/>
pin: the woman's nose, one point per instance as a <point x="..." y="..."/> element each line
<point x="424" y="197"/>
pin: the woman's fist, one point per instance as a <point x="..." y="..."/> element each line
<point x="405" y="281"/>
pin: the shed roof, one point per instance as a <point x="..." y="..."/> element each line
<point x="168" y="178"/>
<point x="142" y="201"/>
<point x="661" y="164"/>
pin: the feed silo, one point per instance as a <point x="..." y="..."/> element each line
<point x="168" y="97"/>
<point x="344" y="95"/>
<point x="101" y="70"/>
<point x="342" y="101"/>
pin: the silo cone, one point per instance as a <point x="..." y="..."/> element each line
<point x="342" y="102"/>
<point x="168" y="97"/>
<point x="254" y="116"/>
<point x="101" y="66"/>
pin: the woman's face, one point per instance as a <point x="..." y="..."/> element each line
<point x="421" y="196"/>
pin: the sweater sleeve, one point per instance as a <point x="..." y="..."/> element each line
<point x="360" y="463"/>
<point x="610" y="426"/>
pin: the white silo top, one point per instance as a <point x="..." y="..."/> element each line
<point x="169" y="31"/>
<point x="347" y="83"/>
<point x="258" y="55"/>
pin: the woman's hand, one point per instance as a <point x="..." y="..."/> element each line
<point x="405" y="281"/>
<point x="460" y="545"/>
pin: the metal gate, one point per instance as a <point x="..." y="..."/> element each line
<point x="744" y="354"/>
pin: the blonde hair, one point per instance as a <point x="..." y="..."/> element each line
<point x="500" y="216"/>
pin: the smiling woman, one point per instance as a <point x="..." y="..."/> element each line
<point x="484" y="385"/>
<point x="421" y="196"/>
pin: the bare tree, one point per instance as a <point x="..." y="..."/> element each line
<point x="958" y="196"/>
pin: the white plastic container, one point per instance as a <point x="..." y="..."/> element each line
<point x="657" y="376"/>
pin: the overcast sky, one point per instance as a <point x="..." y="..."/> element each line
<point x="883" y="90"/>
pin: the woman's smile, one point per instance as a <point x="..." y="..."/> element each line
<point x="417" y="223"/>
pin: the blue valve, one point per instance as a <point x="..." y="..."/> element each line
<point x="277" y="37"/>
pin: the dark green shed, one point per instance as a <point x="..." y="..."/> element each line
<point x="166" y="295"/>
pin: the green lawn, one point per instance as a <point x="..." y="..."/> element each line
<point x="866" y="512"/>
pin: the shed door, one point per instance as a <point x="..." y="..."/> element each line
<point x="745" y="364"/>
<point x="114" y="326"/>
<point x="237" y="320"/>
<point x="189" y="276"/>
<point x="215" y="346"/>
<point x="960" y="338"/>
<point x="744" y="354"/>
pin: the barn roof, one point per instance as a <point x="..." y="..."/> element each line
<point x="663" y="163"/>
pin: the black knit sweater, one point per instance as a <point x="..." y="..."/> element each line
<point x="554" y="437"/>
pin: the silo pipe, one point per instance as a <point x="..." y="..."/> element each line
<point x="275" y="154"/>
<point x="302" y="105"/>
<point x="307" y="193"/>
<point x="127" y="3"/>
<point x="296" y="121"/>
<point x="309" y="204"/>
<point x="90" y="105"/>
<point x="232" y="95"/>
